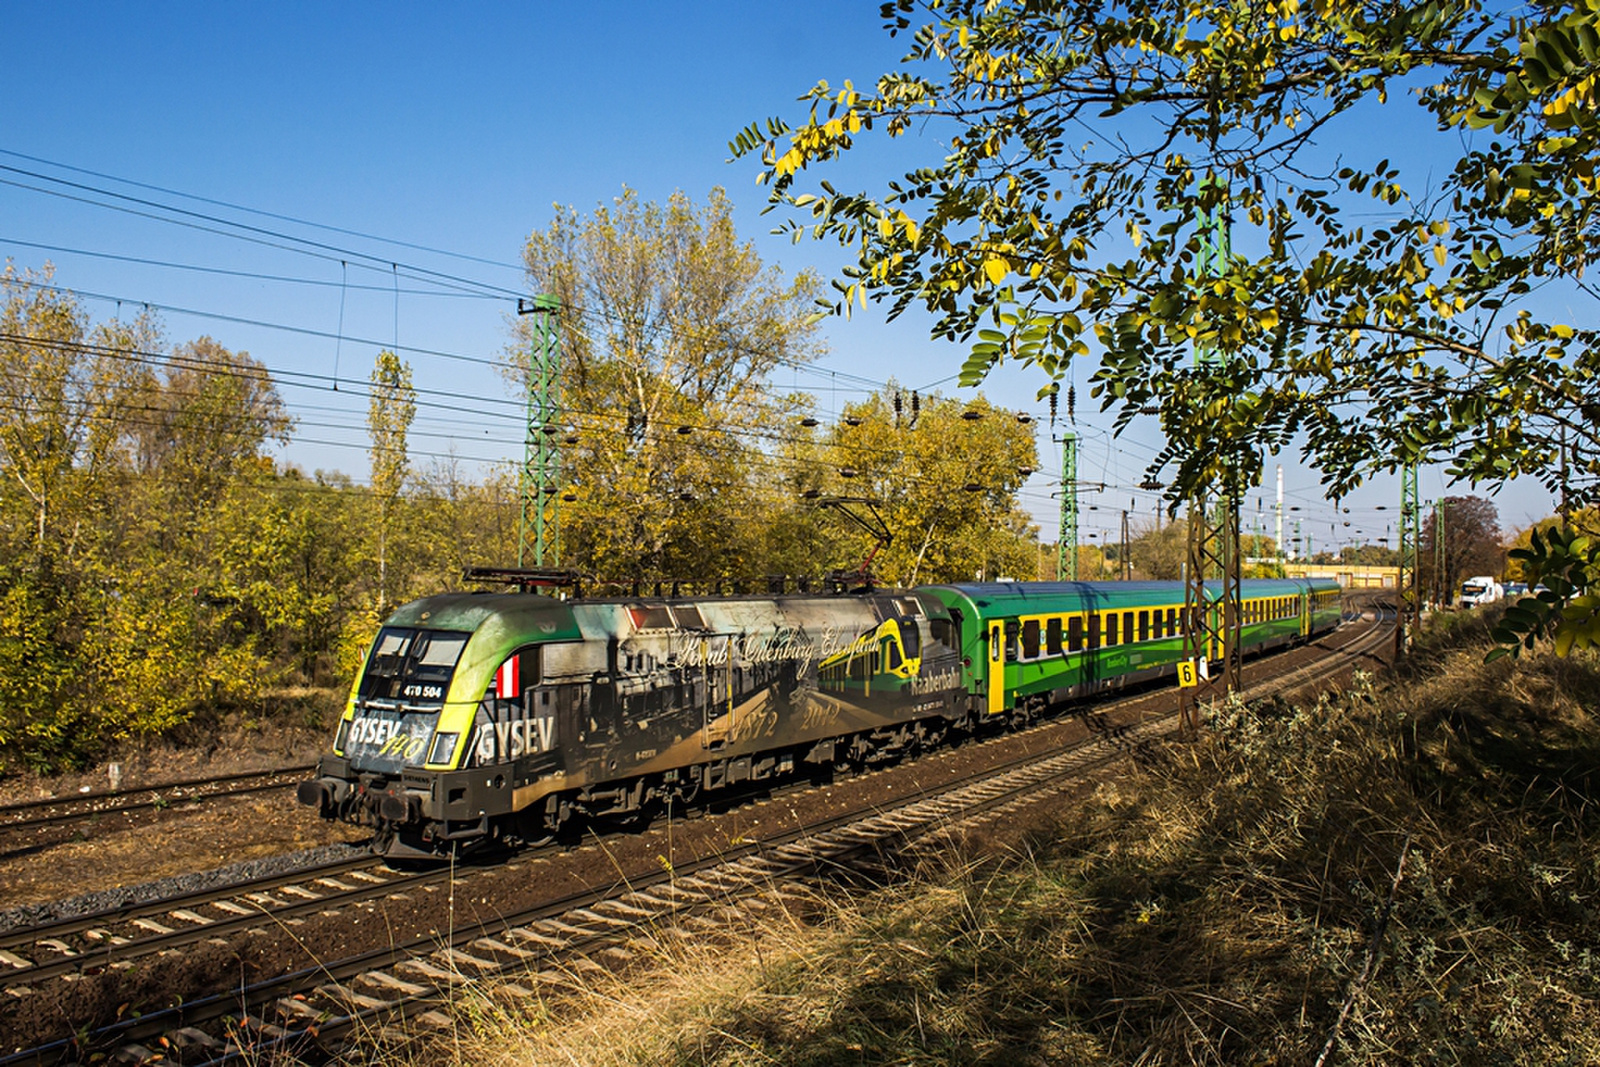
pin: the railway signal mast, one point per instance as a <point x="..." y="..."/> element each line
<point x="540" y="489"/>
<point x="1213" y="530"/>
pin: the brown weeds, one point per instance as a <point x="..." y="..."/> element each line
<point x="1397" y="875"/>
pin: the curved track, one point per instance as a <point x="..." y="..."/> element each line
<point x="369" y="992"/>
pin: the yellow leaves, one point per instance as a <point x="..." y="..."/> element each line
<point x="888" y="224"/>
<point x="1577" y="97"/>
<point x="1580" y="625"/>
<point x="996" y="268"/>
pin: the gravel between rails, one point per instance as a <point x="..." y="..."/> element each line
<point x="29" y="915"/>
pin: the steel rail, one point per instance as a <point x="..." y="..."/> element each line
<point x="20" y="815"/>
<point x="796" y="854"/>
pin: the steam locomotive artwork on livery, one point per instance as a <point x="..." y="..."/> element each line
<point x="485" y="716"/>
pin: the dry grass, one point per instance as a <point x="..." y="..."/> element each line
<point x="1397" y="876"/>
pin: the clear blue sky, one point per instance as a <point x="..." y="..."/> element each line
<point x="453" y="128"/>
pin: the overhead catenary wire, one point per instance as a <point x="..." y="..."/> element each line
<point x="264" y="214"/>
<point x="834" y="376"/>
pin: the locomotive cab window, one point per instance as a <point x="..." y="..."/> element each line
<point x="412" y="665"/>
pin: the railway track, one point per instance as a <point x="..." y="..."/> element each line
<point x="30" y="825"/>
<point x="371" y="992"/>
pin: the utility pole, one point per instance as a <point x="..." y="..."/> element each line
<point x="540" y="489"/>
<point x="1278" y="531"/>
<point x="1127" y="564"/>
<point x="1067" y="539"/>
<point x="1441" y="588"/>
<point x="1407" y="589"/>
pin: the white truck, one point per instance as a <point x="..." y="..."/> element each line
<point x="1480" y="590"/>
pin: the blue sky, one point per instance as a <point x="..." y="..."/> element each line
<point x="455" y="128"/>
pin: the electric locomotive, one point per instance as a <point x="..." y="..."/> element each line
<point x="485" y="716"/>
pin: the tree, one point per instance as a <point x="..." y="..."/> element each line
<point x="1161" y="552"/>
<point x="391" y="406"/>
<point x="1472" y="544"/>
<point x="944" y="485"/>
<point x="1036" y="236"/>
<point x="671" y="329"/>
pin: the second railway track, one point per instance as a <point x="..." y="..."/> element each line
<point x="31" y="825"/>
<point x="404" y="977"/>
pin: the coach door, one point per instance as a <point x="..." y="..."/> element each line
<point x="997" y="667"/>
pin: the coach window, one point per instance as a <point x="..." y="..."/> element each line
<point x="1011" y="640"/>
<point x="1127" y="627"/>
<point x="1094" y="630"/>
<point x="1052" y="637"/>
<point x="1144" y="626"/>
<point x="1110" y="629"/>
<point x="1030" y="639"/>
<point x="1075" y="634"/>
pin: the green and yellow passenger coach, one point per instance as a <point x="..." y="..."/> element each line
<point x="1027" y="645"/>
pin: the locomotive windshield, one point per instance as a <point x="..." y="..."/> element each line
<point x="412" y="666"/>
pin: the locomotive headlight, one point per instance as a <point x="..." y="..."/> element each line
<point x="443" y="746"/>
